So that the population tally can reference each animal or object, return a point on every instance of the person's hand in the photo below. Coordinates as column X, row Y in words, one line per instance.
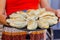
column 3, row 19
column 58, row 14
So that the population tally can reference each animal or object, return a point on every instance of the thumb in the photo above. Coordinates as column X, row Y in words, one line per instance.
column 58, row 13
column 6, row 24
column 59, row 19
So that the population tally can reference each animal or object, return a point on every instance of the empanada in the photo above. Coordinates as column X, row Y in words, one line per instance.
column 18, row 24
column 47, row 13
column 32, row 25
column 43, row 24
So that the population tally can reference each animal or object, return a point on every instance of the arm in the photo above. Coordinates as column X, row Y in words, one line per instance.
column 2, row 10
column 45, row 4
column 2, row 6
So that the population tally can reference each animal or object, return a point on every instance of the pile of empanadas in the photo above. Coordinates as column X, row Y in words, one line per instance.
column 32, row 19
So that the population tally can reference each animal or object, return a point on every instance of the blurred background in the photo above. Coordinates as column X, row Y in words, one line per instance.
column 55, row 4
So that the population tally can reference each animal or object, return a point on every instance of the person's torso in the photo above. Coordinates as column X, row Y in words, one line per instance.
column 16, row 5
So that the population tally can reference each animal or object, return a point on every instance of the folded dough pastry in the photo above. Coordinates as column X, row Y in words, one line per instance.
column 42, row 24
column 24, row 14
column 52, row 21
column 32, row 25
column 16, row 15
column 37, row 11
column 47, row 13
column 31, row 15
column 18, row 24
column 49, row 19
column 42, row 10
column 14, row 19
column 10, row 20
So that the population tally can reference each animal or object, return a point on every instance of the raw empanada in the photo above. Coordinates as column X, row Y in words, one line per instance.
column 47, row 13
column 10, row 20
column 18, row 24
column 43, row 24
column 32, row 25
column 52, row 21
column 14, row 16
